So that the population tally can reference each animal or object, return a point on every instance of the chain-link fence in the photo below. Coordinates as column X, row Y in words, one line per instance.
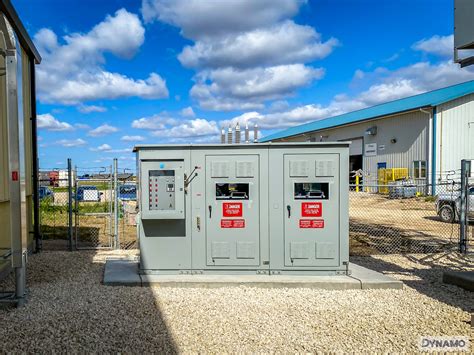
column 404, row 216
column 401, row 216
column 470, row 212
column 127, row 199
column 53, row 210
column 94, row 209
column 466, row 204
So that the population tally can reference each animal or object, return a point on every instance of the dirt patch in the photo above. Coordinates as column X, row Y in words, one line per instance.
column 379, row 224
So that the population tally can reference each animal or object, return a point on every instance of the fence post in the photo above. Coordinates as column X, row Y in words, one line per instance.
column 463, row 220
column 116, row 206
column 69, row 187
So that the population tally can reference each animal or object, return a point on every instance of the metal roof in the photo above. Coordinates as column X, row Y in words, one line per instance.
column 427, row 99
column 10, row 13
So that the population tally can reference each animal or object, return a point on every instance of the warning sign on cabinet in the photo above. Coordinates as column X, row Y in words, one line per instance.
column 232, row 223
column 232, row 209
column 311, row 223
column 311, row 209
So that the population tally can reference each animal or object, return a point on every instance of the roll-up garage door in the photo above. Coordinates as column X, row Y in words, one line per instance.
column 356, row 146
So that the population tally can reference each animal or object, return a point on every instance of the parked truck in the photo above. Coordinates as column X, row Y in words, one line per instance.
column 448, row 205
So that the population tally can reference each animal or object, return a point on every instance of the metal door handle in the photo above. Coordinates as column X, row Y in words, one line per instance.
column 288, row 207
column 210, row 211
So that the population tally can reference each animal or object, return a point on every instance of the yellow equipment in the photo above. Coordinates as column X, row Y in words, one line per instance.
column 392, row 174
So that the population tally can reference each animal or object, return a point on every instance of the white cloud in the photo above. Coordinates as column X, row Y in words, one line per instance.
column 188, row 112
column 284, row 43
column 50, row 123
column 122, row 150
column 72, row 72
column 382, row 85
column 102, row 148
column 232, row 89
column 102, row 130
column 153, row 122
column 82, row 126
column 91, row 108
column 192, row 128
column 442, row 46
column 245, row 52
column 68, row 143
column 201, row 19
column 132, row 138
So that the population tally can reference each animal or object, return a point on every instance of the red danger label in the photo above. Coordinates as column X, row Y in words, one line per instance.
column 14, row 175
column 232, row 223
column 232, row 209
column 311, row 209
column 311, row 223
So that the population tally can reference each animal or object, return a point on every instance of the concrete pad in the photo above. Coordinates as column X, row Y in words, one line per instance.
column 340, row 282
column 125, row 273
column 463, row 279
column 121, row 273
column 371, row 279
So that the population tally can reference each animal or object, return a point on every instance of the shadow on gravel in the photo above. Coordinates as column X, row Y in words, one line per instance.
column 69, row 310
column 427, row 276
column 375, row 238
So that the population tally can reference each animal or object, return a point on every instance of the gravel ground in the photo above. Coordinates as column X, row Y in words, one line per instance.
column 69, row 310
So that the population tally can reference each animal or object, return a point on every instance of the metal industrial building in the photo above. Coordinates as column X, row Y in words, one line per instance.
column 428, row 134
column 18, row 162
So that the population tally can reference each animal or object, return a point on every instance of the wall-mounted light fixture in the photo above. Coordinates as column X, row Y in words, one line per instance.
column 321, row 138
column 393, row 140
column 372, row 131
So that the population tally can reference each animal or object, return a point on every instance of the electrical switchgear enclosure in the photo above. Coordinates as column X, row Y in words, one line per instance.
column 274, row 208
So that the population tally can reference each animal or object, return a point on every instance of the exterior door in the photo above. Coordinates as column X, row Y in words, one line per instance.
column 311, row 192
column 232, row 210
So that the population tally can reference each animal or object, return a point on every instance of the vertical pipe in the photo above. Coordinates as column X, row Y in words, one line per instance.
column 229, row 135
column 20, row 282
column 110, row 189
column 237, row 133
column 34, row 144
column 433, row 155
column 16, row 165
column 76, row 208
column 357, row 182
column 255, row 133
column 116, row 207
column 463, row 218
column 247, row 133
column 69, row 188
column 222, row 136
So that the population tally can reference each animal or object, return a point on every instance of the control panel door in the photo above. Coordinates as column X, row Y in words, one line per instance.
column 232, row 210
column 311, row 210
column 162, row 189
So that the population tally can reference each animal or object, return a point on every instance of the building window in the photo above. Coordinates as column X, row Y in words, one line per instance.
column 419, row 168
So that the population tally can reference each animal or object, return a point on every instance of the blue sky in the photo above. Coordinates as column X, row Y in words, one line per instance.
column 117, row 73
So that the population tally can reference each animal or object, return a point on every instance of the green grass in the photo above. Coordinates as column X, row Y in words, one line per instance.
column 99, row 185
column 430, row 198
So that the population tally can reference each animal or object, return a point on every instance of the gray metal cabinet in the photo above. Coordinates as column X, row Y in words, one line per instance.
column 248, row 208
column 311, row 191
column 232, row 209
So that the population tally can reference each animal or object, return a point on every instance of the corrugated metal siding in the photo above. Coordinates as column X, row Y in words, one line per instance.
column 410, row 130
column 455, row 134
